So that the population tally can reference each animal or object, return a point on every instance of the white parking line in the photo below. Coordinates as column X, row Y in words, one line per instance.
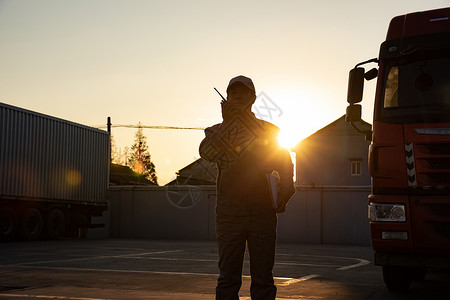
column 306, row 265
column 96, row 257
column 145, row 255
column 177, row 259
column 215, row 260
column 296, row 280
column 362, row 262
column 132, row 271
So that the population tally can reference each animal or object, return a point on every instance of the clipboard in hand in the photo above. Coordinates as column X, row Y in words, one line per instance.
column 272, row 182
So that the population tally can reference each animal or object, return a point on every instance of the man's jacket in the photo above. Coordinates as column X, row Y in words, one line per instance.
column 245, row 150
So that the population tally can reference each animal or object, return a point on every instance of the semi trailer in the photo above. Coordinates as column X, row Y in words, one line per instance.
column 54, row 175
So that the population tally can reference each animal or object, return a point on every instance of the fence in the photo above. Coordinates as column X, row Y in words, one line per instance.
column 325, row 215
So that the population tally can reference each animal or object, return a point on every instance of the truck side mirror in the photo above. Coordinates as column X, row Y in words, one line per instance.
column 353, row 113
column 371, row 74
column 355, row 85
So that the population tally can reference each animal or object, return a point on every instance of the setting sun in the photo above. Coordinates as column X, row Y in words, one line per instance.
column 291, row 135
column 296, row 110
column 288, row 139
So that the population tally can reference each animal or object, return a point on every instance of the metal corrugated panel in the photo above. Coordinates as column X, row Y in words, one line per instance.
column 49, row 158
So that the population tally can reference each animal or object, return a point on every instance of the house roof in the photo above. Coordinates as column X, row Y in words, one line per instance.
column 123, row 175
column 339, row 127
column 199, row 172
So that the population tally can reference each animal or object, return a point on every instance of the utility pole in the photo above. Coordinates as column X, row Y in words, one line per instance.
column 108, row 126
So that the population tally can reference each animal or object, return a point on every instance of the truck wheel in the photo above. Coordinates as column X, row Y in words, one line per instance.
column 55, row 224
column 397, row 279
column 8, row 223
column 419, row 274
column 31, row 224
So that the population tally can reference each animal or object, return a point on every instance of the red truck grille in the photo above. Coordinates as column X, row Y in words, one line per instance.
column 432, row 222
column 437, row 148
column 437, row 178
column 443, row 229
column 432, row 164
column 441, row 210
column 438, row 163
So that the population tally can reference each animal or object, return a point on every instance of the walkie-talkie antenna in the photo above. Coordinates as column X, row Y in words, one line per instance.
column 223, row 98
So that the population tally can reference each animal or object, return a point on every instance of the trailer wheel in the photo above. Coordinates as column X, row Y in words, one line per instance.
column 31, row 224
column 419, row 274
column 397, row 279
column 8, row 223
column 55, row 224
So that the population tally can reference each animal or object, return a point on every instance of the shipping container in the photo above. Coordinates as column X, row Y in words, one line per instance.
column 54, row 174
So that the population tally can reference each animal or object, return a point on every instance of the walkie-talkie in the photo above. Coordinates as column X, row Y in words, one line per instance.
column 223, row 98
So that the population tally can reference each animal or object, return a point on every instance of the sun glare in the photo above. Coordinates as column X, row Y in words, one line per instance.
column 291, row 135
column 287, row 139
column 293, row 132
column 297, row 110
column 302, row 112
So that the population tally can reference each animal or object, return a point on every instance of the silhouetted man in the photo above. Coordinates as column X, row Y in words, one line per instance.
column 246, row 150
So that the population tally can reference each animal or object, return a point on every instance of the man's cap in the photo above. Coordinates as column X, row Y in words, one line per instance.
column 243, row 80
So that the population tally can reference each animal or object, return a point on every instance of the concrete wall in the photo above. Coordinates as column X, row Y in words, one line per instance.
column 330, row 215
column 327, row 215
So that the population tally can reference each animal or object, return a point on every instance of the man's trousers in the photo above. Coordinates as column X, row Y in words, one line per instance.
column 259, row 234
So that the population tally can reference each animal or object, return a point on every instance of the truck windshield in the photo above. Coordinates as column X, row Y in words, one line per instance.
column 417, row 91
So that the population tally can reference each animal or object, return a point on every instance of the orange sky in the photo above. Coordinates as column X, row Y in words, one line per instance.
column 156, row 62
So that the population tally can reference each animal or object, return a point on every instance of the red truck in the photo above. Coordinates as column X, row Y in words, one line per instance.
column 409, row 157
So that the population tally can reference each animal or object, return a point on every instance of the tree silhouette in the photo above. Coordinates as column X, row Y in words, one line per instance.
column 115, row 152
column 119, row 156
column 140, row 160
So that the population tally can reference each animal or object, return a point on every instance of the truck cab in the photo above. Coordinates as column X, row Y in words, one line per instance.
column 409, row 156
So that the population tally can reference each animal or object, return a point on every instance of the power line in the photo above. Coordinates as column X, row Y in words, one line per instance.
column 150, row 127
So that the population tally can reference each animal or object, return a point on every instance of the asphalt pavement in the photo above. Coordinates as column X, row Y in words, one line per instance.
column 84, row 269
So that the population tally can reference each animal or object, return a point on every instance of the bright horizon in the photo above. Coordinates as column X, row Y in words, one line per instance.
column 157, row 62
